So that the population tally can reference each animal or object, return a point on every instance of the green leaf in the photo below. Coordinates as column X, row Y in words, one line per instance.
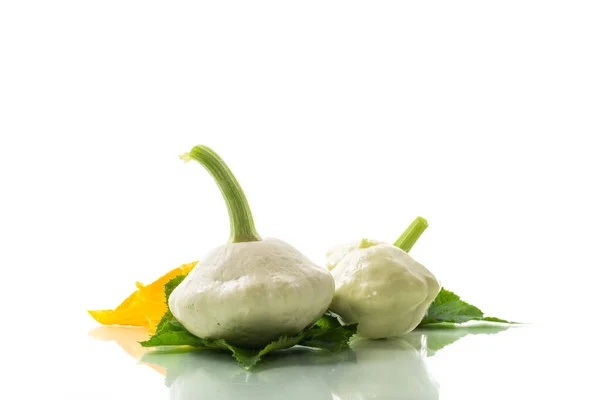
column 333, row 340
column 494, row 319
column 327, row 334
column 248, row 358
column 168, row 317
column 172, row 284
column 172, row 337
column 448, row 307
column 327, row 321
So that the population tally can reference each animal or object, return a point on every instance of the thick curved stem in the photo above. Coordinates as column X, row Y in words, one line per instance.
column 241, row 222
column 410, row 236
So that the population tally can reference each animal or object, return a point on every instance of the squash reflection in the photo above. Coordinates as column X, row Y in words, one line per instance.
column 293, row 374
column 390, row 369
column 384, row 369
column 372, row 369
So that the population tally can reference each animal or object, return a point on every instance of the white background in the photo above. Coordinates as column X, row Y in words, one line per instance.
column 341, row 120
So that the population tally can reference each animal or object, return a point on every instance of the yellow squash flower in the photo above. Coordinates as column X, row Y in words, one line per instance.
column 144, row 307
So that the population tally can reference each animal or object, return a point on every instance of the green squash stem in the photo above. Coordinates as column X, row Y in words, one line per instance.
column 410, row 236
column 241, row 222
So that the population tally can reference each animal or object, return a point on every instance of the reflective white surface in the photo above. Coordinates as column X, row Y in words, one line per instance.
column 491, row 362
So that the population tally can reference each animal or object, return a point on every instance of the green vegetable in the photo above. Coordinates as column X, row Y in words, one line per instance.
column 326, row 334
column 448, row 307
column 246, row 290
column 380, row 286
